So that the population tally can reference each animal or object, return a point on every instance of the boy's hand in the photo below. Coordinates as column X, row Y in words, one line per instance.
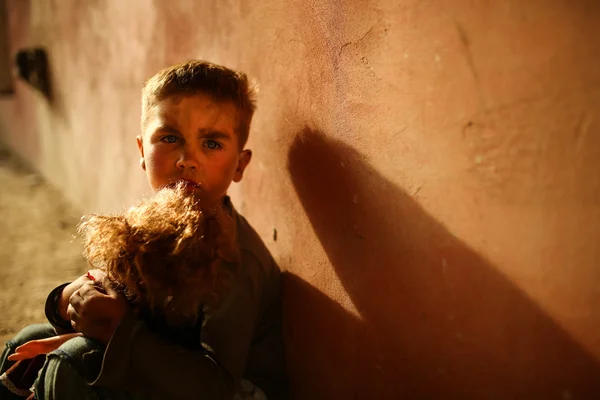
column 71, row 288
column 96, row 310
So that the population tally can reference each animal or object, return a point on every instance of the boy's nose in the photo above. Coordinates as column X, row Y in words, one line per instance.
column 187, row 160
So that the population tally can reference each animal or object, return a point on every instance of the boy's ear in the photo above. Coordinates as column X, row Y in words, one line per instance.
column 140, row 144
column 243, row 161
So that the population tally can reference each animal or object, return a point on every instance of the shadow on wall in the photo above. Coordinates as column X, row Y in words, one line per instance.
column 437, row 320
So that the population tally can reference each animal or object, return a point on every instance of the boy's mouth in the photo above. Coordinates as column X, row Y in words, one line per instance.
column 189, row 184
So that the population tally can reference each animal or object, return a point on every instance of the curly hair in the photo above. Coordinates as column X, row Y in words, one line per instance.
column 166, row 254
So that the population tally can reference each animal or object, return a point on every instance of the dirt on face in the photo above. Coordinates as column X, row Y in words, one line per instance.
column 38, row 246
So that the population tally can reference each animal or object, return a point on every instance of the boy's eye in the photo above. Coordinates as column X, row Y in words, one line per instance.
column 211, row 144
column 169, row 139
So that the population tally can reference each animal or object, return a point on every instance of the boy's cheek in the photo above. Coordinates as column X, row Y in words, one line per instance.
column 157, row 160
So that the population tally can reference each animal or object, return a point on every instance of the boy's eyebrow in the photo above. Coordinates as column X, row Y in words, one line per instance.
column 166, row 128
column 212, row 134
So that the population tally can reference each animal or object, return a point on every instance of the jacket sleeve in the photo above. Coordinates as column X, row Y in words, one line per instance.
column 138, row 360
column 51, row 310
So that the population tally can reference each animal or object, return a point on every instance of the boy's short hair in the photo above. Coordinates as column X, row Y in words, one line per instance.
column 198, row 76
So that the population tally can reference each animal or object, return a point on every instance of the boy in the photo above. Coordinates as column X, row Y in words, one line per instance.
column 195, row 122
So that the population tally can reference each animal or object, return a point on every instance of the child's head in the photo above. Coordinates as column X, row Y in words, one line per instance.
column 195, row 123
column 166, row 254
column 190, row 78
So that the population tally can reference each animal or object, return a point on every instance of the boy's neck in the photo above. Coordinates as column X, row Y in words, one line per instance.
column 227, row 205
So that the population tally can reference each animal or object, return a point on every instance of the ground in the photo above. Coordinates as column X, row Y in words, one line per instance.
column 38, row 246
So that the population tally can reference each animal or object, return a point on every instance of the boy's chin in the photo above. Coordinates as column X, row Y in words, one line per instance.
column 184, row 186
column 204, row 198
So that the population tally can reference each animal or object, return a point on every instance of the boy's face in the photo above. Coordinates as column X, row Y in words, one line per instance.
column 193, row 139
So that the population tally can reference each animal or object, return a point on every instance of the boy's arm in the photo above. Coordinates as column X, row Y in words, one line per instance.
column 246, row 333
column 138, row 360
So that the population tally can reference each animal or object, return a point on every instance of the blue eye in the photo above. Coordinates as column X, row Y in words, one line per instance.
column 213, row 145
column 170, row 139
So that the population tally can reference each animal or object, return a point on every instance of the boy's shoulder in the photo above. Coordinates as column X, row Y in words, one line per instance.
column 256, row 260
column 249, row 241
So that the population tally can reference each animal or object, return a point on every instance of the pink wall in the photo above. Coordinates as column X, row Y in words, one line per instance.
column 430, row 167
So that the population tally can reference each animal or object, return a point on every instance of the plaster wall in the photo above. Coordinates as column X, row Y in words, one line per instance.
column 425, row 171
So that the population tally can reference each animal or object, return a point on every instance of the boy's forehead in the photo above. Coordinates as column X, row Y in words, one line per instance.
column 171, row 109
column 176, row 104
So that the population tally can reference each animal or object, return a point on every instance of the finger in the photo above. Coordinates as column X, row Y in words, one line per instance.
column 76, row 322
column 91, row 288
column 87, row 288
column 75, row 301
column 109, row 289
column 72, row 313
